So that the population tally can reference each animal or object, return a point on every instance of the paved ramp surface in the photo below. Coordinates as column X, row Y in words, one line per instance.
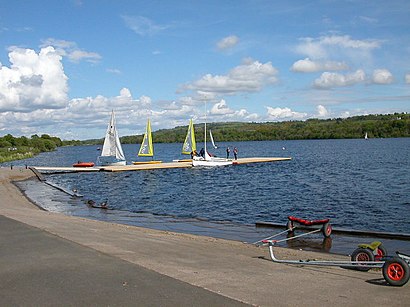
column 40, row 269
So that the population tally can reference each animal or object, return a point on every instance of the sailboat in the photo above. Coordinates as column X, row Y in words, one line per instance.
column 206, row 159
column 212, row 139
column 112, row 153
column 147, row 148
column 365, row 136
column 189, row 146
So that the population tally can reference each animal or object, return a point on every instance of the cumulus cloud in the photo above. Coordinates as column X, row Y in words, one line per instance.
column 221, row 108
column 251, row 76
column 123, row 102
column 329, row 80
column 143, row 26
column 34, row 100
column 93, row 113
column 33, row 81
column 84, row 118
column 227, row 42
column 322, row 111
column 220, row 111
column 382, row 76
column 338, row 49
column 308, row 66
column 284, row 114
column 71, row 51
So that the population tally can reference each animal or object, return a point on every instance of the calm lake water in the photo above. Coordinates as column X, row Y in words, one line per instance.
column 358, row 184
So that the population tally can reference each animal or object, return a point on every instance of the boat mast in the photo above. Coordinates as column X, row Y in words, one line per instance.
column 205, row 133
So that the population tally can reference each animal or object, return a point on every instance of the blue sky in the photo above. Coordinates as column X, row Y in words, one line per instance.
column 64, row 65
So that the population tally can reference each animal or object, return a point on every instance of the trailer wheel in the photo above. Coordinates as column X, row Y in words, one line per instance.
column 327, row 230
column 289, row 226
column 396, row 272
column 362, row 254
column 381, row 253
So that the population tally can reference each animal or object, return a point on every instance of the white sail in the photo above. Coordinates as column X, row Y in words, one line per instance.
column 212, row 139
column 112, row 147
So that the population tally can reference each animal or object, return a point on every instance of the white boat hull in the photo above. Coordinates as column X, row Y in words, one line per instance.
column 211, row 162
column 119, row 163
column 110, row 161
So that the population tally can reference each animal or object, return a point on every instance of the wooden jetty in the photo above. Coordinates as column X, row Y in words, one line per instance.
column 147, row 166
column 64, row 169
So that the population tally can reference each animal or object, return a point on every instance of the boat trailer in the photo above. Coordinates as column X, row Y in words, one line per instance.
column 395, row 269
column 320, row 225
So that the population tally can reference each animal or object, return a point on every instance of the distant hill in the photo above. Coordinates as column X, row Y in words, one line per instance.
column 376, row 126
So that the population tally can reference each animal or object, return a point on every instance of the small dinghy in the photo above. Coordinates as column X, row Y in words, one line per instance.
column 83, row 164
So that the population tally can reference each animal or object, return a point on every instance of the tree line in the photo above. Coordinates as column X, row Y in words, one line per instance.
column 376, row 126
column 16, row 148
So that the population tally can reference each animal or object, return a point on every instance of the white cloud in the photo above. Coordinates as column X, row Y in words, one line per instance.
column 382, row 76
column 220, row 111
column 248, row 77
column 71, row 51
column 114, row 71
column 329, row 80
column 145, row 100
column 143, row 26
column 368, row 20
column 124, row 92
column 78, row 55
column 337, row 46
column 322, row 111
column 124, row 102
column 228, row 42
column 407, row 78
column 307, row 65
column 221, row 108
column 346, row 42
column 284, row 114
column 33, row 81
column 187, row 100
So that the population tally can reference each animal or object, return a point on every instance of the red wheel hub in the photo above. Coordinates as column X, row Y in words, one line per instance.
column 362, row 257
column 395, row 271
column 379, row 255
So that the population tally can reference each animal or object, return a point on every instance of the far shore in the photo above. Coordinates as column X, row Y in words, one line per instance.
column 240, row 271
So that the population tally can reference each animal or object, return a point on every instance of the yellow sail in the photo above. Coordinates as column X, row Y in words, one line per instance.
column 189, row 144
column 147, row 149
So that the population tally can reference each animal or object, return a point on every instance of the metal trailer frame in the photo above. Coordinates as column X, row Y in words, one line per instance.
column 295, row 223
column 395, row 269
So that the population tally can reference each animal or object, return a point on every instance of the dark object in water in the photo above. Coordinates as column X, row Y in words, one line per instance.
column 103, row 205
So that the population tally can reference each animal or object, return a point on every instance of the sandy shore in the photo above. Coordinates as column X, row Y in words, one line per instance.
column 232, row 269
